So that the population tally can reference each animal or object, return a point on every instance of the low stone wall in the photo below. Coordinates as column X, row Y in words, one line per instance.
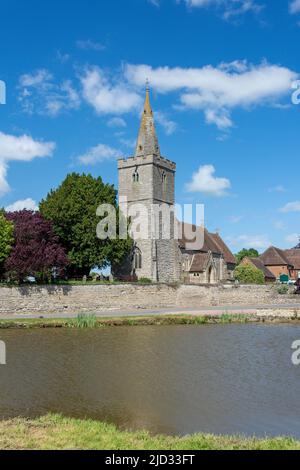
column 97, row 298
column 210, row 296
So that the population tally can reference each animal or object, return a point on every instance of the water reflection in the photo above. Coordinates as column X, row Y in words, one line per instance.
column 173, row 379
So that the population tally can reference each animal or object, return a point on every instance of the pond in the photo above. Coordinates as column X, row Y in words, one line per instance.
column 167, row 379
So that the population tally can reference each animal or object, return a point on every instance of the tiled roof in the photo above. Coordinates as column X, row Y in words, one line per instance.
column 205, row 245
column 212, row 242
column 228, row 256
column 274, row 257
column 260, row 265
column 294, row 257
column 200, row 262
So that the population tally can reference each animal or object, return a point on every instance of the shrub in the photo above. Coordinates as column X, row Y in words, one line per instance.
column 282, row 290
column 248, row 274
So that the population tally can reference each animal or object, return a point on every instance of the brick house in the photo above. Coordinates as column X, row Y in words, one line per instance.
column 293, row 255
column 277, row 261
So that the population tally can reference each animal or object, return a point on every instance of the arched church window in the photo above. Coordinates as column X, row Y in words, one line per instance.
column 138, row 260
column 163, row 177
column 136, row 176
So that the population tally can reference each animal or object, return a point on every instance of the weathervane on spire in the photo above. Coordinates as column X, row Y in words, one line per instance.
column 147, row 84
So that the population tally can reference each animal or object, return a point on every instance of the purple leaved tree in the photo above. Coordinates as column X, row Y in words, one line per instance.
column 36, row 251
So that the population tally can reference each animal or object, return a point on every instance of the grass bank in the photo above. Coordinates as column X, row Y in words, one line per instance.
column 91, row 321
column 57, row 432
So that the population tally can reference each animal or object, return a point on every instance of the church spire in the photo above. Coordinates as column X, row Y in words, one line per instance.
column 147, row 143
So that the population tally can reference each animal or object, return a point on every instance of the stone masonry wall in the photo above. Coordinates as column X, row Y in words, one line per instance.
column 106, row 298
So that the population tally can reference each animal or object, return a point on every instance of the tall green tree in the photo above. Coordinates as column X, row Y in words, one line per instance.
column 6, row 239
column 251, row 253
column 72, row 209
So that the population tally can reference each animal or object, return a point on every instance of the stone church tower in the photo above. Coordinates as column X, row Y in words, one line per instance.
column 149, row 179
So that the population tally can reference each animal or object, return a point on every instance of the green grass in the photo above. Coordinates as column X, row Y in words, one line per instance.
column 54, row 432
column 229, row 318
column 145, row 280
column 84, row 321
column 91, row 321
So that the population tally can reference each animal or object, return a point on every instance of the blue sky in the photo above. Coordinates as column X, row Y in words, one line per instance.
column 221, row 75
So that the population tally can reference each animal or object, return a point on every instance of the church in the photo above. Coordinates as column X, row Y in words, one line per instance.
column 148, row 179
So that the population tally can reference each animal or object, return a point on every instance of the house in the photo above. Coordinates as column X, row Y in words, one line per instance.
column 293, row 255
column 277, row 261
column 258, row 264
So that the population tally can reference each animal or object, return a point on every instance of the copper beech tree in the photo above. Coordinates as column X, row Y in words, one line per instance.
column 36, row 250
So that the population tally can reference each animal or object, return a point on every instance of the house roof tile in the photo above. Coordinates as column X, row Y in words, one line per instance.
column 274, row 257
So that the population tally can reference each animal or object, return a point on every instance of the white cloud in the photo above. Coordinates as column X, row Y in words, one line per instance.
column 117, row 122
column 215, row 91
column 61, row 57
column 4, row 186
column 219, row 117
column 28, row 204
column 291, row 207
column 98, row 154
column 277, row 189
column 106, row 97
column 218, row 90
column 235, row 219
column 22, row 148
column 294, row 6
column 204, row 181
column 292, row 239
column 229, row 7
column 250, row 241
column 167, row 124
column 88, row 45
column 129, row 143
column 40, row 78
column 41, row 94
